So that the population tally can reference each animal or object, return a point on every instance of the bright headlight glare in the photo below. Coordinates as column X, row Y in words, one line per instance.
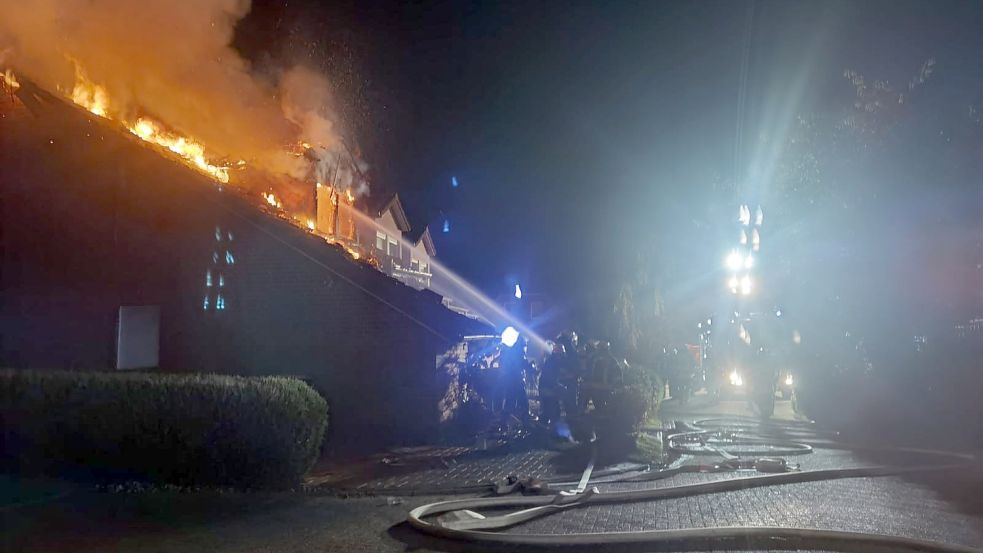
column 509, row 336
column 735, row 378
column 746, row 285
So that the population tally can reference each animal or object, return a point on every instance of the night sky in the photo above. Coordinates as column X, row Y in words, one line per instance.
column 586, row 134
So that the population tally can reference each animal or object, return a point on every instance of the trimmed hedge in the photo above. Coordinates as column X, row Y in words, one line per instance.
column 182, row 429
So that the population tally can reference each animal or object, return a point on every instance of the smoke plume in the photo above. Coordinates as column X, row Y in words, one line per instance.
column 172, row 60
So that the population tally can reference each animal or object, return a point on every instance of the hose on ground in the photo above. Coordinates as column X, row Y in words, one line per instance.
column 474, row 527
column 766, row 446
column 457, row 520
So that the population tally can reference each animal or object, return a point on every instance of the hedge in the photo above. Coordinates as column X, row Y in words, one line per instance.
column 170, row 428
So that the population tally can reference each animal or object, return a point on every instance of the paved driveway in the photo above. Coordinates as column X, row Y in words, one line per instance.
column 237, row 522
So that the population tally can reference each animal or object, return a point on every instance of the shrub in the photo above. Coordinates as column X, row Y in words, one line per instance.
column 624, row 413
column 183, row 429
column 647, row 382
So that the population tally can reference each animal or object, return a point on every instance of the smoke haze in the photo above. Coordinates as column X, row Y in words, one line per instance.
column 172, row 60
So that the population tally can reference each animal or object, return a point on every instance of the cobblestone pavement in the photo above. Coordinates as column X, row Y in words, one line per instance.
column 887, row 505
column 215, row 522
column 437, row 470
column 468, row 470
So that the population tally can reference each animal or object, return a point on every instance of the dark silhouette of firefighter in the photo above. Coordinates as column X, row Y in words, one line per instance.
column 605, row 376
column 560, row 379
column 549, row 384
column 571, row 369
column 510, row 396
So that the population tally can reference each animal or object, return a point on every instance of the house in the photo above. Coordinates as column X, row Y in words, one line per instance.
column 422, row 253
column 402, row 253
column 381, row 232
column 116, row 256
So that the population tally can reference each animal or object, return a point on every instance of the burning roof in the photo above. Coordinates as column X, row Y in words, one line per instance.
column 101, row 173
column 167, row 73
column 290, row 199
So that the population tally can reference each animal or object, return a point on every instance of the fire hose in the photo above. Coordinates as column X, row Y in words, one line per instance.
column 774, row 447
column 458, row 520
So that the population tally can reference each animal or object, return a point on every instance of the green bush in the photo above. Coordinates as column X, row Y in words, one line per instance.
column 182, row 429
column 624, row 413
column 647, row 382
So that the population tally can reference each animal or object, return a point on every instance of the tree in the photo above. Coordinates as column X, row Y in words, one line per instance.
column 864, row 183
column 639, row 325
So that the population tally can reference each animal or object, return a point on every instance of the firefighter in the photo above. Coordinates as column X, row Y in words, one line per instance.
column 761, row 385
column 511, row 396
column 549, row 384
column 570, row 371
column 682, row 379
column 605, row 376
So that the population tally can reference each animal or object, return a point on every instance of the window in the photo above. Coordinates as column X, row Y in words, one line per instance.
column 204, row 304
column 221, row 280
column 393, row 248
column 220, row 303
column 425, row 268
column 208, row 277
column 414, row 264
column 229, row 260
column 380, row 240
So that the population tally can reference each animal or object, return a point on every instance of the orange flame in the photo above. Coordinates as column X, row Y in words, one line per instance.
column 9, row 80
column 95, row 99
column 90, row 95
column 188, row 149
column 272, row 200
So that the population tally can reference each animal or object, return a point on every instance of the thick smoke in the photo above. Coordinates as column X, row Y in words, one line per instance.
column 172, row 60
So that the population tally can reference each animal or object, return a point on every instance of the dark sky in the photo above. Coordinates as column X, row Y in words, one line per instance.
column 584, row 133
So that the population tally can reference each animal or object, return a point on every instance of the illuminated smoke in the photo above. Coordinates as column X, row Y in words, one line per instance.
column 171, row 60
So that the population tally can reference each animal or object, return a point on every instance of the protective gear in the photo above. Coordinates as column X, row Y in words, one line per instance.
column 569, row 340
column 510, row 397
column 681, row 377
column 549, row 384
column 604, row 376
column 762, row 375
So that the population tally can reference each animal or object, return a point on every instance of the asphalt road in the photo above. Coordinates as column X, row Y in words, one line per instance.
column 78, row 519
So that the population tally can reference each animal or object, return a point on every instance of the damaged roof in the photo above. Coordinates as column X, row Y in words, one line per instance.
column 69, row 141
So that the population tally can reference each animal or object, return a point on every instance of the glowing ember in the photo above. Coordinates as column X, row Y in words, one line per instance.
column 9, row 80
column 272, row 200
column 310, row 224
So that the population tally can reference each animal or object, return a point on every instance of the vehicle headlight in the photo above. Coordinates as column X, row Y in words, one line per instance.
column 789, row 380
column 735, row 378
column 509, row 336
